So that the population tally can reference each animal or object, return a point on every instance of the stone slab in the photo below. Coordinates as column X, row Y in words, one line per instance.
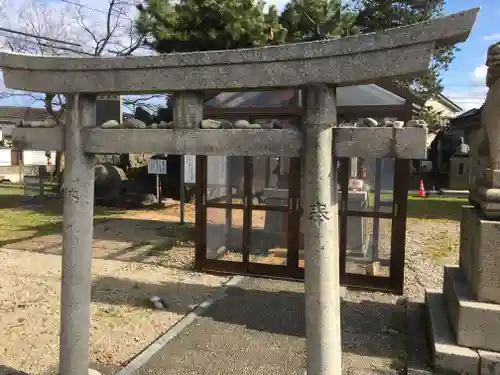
column 251, row 142
column 476, row 324
column 228, row 142
column 479, row 252
column 38, row 139
column 446, row 354
column 467, row 230
column 418, row 359
column 489, row 362
column 400, row 52
column 374, row 143
column 454, row 193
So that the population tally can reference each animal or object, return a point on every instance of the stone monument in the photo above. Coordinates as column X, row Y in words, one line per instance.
column 316, row 67
column 465, row 318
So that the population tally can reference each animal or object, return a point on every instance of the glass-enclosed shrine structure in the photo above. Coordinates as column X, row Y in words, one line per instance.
column 249, row 218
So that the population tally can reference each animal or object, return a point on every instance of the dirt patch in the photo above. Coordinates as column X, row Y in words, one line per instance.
column 133, row 236
column 170, row 213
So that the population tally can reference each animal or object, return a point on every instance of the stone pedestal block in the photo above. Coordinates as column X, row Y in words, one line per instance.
column 486, row 198
column 479, row 251
column 476, row 324
column 490, row 362
column 447, row 356
column 468, row 226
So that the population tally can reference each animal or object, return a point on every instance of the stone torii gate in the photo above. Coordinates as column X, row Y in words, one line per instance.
column 314, row 67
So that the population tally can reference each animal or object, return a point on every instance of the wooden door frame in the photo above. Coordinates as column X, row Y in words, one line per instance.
column 394, row 283
column 202, row 263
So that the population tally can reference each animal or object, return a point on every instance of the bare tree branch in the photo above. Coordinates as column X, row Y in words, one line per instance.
column 113, row 34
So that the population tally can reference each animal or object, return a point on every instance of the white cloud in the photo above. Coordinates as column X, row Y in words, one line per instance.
column 492, row 37
column 468, row 98
column 478, row 75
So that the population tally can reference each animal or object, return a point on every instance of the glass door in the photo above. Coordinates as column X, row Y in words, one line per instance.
column 272, row 201
column 373, row 222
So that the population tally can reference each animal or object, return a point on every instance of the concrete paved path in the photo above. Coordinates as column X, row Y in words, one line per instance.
column 258, row 328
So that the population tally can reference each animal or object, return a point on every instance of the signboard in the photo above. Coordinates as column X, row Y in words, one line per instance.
column 355, row 184
column 157, row 166
column 34, row 186
column 190, row 169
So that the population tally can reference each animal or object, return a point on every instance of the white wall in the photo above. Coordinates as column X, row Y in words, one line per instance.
column 5, row 157
column 37, row 157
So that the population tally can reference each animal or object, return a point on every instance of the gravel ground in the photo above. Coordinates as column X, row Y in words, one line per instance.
column 123, row 322
column 430, row 245
column 129, row 267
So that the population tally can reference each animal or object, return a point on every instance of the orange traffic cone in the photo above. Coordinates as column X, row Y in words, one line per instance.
column 421, row 192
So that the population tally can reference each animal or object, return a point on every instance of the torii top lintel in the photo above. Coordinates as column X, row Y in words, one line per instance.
column 396, row 53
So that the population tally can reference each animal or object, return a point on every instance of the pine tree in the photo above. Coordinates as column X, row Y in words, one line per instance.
column 203, row 25
column 317, row 19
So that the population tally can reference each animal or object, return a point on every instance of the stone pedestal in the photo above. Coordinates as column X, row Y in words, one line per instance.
column 479, row 252
column 465, row 317
column 357, row 241
column 485, row 194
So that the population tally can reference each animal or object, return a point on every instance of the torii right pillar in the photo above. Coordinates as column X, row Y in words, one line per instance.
column 322, row 284
column 465, row 318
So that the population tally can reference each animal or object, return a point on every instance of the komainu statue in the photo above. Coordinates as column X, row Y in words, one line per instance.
column 485, row 193
column 491, row 110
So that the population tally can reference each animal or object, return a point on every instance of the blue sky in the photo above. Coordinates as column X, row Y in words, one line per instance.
column 464, row 82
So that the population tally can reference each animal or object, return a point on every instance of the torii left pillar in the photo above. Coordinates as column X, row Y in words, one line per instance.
column 321, row 255
column 77, row 238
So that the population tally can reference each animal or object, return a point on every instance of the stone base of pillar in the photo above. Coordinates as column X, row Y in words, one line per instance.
column 447, row 355
column 485, row 194
column 464, row 319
